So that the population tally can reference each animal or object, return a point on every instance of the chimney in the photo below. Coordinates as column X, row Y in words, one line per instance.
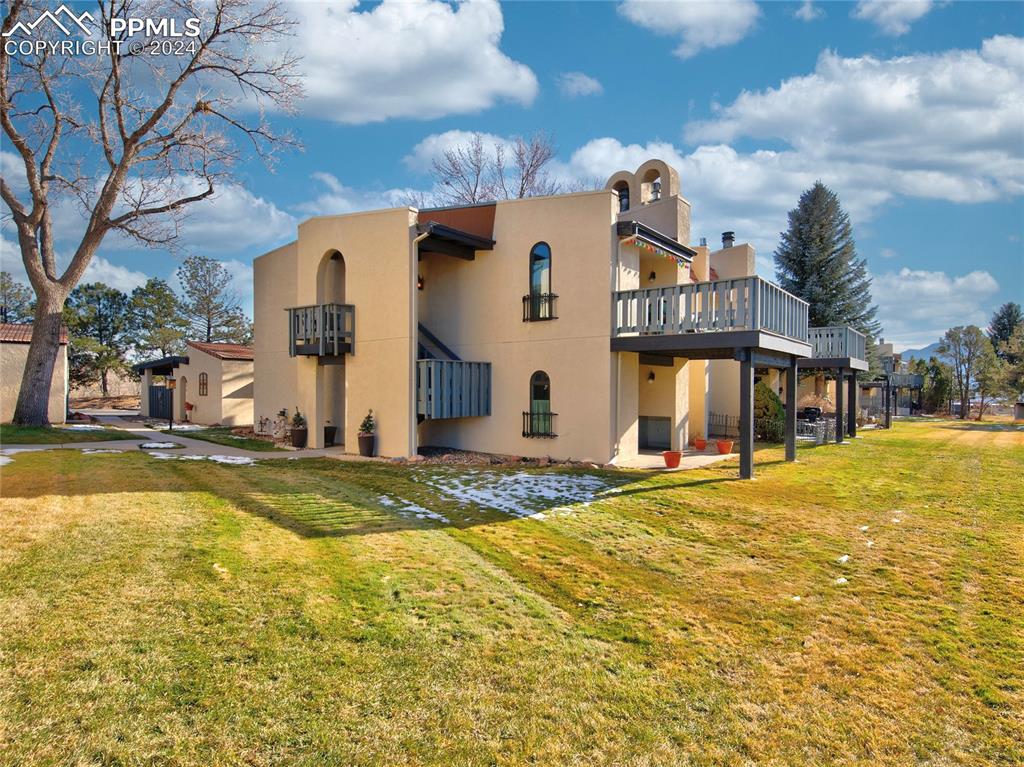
column 728, row 239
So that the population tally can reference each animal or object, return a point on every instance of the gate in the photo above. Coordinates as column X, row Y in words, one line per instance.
column 159, row 402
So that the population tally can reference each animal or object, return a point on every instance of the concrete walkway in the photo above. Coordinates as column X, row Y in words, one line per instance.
column 692, row 459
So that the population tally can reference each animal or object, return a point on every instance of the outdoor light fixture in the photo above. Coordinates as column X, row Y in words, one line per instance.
column 650, row 377
column 171, row 385
column 419, row 282
column 652, row 276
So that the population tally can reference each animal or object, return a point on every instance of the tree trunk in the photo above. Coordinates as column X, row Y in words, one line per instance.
column 34, row 397
column 103, row 382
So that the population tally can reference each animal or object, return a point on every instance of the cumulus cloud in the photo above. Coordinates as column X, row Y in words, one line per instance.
column 406, row 60
column 808, row 11
column 916, row 306
column 120, row 277
column 335, row 198
column 573, row 84
column 892, row 17
column 701, row 25
column 422, row 156
column 943, row 126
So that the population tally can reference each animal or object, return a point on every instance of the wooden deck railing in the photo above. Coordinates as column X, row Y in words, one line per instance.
column 453, row 388
column 747, row 303
column 837, row 341
column 322, row 330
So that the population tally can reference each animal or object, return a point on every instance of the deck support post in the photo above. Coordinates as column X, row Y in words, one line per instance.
column 888, row 404
column 839, row 405
column 851, row 406
column 747, row 415
column 792, row 382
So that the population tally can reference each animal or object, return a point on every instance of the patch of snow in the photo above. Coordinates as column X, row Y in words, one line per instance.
column 158, row 445
column 863, row 528
column 98, row 451
column 408, row 508
column 843, row 559
column 188, row 427
column 4, row 460
column 234, row 460
column 82, row 427
column 796, row 599
column 521, row 493
column 841, row 580
column 870, row 544
column 896, row 520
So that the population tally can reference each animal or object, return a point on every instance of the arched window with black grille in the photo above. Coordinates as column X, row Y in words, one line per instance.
column 540, row 303
column 539, row 421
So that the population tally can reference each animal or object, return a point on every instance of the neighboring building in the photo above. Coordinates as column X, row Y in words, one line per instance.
column 216, row 379
column 576, row 325
column 14, row 343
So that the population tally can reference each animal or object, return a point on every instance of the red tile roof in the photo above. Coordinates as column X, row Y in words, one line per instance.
column 13, row 333
column 223, row 351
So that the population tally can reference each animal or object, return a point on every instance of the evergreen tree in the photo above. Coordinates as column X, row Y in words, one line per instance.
column 1007, row 318
column 16, row 300
column 210, row 307
column 100, row 329
column 158, row 319
column 817, row 261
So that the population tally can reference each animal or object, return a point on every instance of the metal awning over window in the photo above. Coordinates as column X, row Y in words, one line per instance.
column 450, row 241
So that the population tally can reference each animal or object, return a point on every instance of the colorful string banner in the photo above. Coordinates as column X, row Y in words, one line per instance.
column 642, row 245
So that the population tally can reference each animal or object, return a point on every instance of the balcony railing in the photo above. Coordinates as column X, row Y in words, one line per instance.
column 321, row 330
column 539, row 306
column 747, row 303
column 837, row 341
column 452, row 389
column 539, row 425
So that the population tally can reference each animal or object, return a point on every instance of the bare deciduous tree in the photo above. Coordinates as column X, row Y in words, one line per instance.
column 473, row 172
column 132, row 138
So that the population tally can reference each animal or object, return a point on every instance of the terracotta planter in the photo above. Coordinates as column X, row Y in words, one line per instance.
column 299, row 437
column 700, row 443
column 672, row 458
column 366, row 445
column 724, row 446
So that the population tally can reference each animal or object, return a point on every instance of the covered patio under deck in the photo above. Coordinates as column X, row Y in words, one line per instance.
column 843, row 351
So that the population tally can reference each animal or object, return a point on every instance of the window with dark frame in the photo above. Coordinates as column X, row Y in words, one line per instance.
column 204, row 384
column 540, row 303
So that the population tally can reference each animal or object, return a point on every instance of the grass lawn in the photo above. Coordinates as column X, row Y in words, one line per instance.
column 221, row 435
column 300, row 612
column 57, row 435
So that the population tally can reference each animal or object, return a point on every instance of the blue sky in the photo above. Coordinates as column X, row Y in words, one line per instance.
column 913, row 112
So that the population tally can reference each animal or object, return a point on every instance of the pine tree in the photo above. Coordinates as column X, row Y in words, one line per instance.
column 100, row 326
column 211, row 309
column 16, row 300
column 817, row 261
column 1005, row 320
column 158, row 320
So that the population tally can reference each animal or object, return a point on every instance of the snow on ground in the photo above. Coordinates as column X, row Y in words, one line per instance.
column 98, row 451
column 188, row 427
column 408, row 508
column 7, row 453
column 522, row 493
column 235, row 460
column 82, row 426
column 158, row 445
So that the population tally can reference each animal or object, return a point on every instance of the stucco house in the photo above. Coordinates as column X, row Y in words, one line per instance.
column 215, row 379
column 14, row 343
column 573, row 326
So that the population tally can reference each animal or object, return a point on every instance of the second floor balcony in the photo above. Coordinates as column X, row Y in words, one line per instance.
column 321, row 330
column 837, row 342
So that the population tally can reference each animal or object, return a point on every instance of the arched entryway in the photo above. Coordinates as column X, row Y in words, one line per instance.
column 330, row 289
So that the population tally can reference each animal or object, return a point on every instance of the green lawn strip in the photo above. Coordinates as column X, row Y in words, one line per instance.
column 56, row 435
column 284, row 613
column 222, row 435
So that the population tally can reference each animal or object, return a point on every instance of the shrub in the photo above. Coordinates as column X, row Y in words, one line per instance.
column 369, row 425
column 769, row 414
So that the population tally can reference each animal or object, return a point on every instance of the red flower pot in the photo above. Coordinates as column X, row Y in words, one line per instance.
column 724, row 446
column 700, row 443
column 672, row 458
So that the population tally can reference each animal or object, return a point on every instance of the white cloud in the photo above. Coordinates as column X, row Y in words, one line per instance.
column 120, row 277
column 232, row 220
column 916, row 307
column 700, row 24
column 892, row 17
column 336, row 199
column 422, row 156
column 808, row 11
column 943, row 126
column 573, row 84
column 406, row 60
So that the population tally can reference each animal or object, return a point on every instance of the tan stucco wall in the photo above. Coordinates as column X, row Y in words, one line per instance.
column 229, row 397
column 12, row 367
column 475, row 308
column 275, row 383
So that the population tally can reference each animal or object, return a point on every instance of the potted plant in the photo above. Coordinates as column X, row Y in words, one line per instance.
column 299, row 430
column 366, row 435
column 330, row 432
column 700, row 443
column 672, row 458
column 189, row 406
column 724, row 446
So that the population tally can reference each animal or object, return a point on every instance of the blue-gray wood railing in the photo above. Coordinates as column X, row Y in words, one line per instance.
column 837, row 341
column 453, row 388
column 322, row 330
column 747, row 303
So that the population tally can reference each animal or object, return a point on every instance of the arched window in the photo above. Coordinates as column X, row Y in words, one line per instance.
column 204, row 384
column 539, row 421
column 622, row 188
column 540, row 304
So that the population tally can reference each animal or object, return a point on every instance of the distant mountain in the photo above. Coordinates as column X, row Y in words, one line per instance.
column 932, row 350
